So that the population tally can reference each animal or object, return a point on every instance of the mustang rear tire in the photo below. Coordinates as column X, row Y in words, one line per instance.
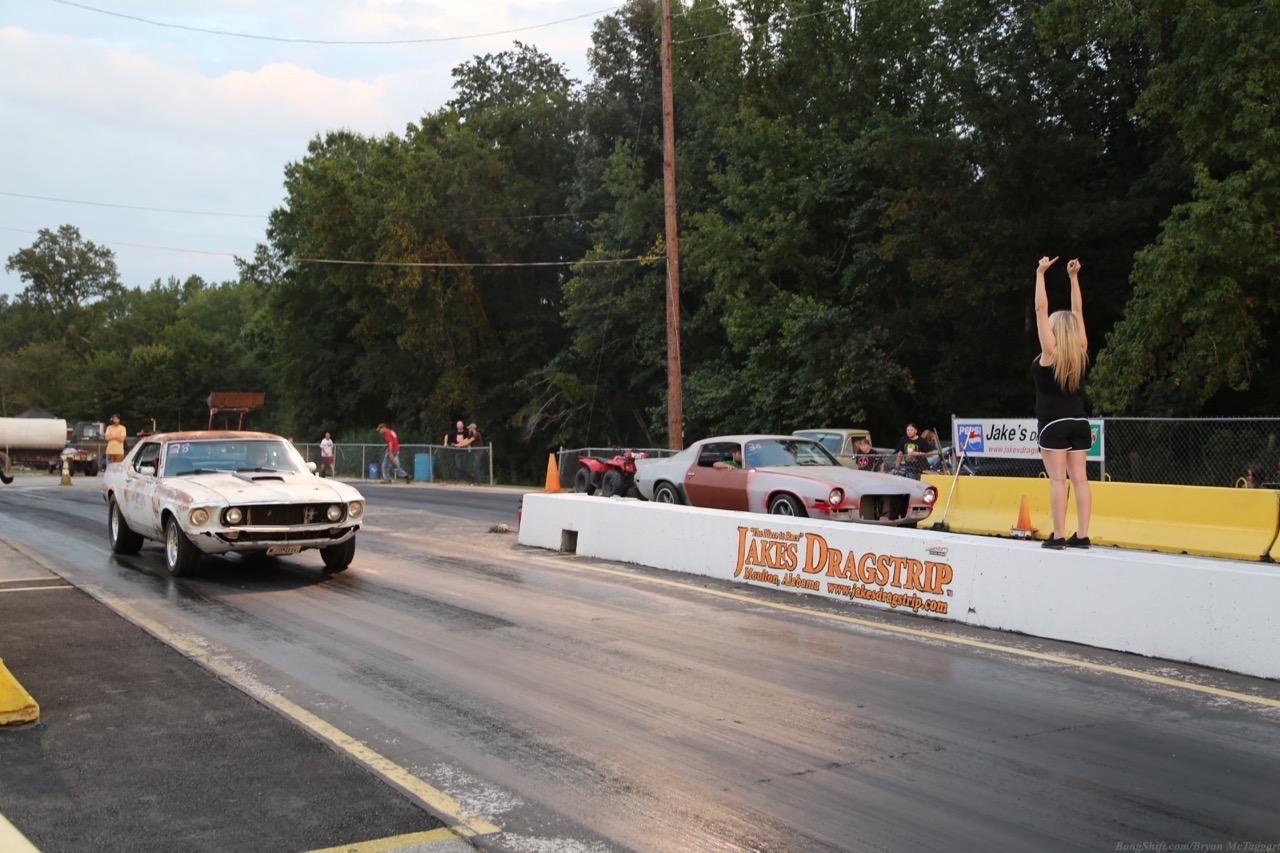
column 611, row 484
column 666, row 493
column 180, row 556
column 582, row 482
column 786, row 505
column 338, row 557
column 123, row 539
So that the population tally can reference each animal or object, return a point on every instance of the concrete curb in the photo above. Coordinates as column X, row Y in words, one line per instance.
column 16, row 705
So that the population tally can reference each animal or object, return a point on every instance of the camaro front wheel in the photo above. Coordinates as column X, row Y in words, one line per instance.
column 180, row 556
column 786, row 505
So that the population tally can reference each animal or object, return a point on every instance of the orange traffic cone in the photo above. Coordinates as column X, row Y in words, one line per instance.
column 1023, row 529
column 553, row 474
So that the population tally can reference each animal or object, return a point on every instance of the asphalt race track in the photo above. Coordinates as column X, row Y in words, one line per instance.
column 536, row 702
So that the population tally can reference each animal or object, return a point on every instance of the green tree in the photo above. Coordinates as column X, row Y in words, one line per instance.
column 1205, row 305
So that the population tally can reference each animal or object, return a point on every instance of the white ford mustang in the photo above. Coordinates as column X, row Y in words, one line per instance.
column 219, row 491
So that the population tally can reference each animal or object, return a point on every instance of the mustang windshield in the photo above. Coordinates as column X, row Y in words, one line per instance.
column 191, row 458
column 778, row 452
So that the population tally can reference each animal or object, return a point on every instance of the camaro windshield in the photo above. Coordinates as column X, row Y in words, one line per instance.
column 775, row 452
column 191, row 458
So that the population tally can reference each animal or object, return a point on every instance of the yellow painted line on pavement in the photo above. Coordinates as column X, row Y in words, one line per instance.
column 12, row 841
column 34, row 588
column 933, row 635
column 463, row 825
column 30, row 580
column 397, row 842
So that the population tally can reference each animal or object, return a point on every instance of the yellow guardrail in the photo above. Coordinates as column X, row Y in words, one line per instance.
column 16, row 704
column 1240, row 524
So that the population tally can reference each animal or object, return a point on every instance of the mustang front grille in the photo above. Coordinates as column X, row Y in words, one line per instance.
column 284, row 515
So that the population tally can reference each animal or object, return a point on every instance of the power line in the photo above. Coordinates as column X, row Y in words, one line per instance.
column 133, row 207
column 331, row 41
column 512, row 217
column 638, row 259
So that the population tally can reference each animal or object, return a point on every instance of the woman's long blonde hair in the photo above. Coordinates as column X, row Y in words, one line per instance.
column 1070, row 358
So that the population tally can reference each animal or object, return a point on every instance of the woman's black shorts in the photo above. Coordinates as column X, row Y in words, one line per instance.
column 1066, row 434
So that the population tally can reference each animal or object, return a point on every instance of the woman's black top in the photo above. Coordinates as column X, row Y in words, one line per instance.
column 1052, row 401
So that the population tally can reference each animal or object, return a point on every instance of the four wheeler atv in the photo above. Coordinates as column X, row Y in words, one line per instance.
column 609, row 476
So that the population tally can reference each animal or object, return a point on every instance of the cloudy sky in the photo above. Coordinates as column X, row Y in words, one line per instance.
column 161, row 130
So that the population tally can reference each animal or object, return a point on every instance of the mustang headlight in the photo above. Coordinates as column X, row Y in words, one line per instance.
column 334, row 512
column 233, row 515
column 199, row 517
column 836, row 496
column 355, row 509
column 930, row 495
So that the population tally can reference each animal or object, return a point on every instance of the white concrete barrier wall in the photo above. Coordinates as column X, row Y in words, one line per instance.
column 1211, row 612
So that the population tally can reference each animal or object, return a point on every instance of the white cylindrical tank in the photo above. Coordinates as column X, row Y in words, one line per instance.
column 16, row 433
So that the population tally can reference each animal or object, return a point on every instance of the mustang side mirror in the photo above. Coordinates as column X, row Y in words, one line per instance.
column 147, row 470
column 311, row 466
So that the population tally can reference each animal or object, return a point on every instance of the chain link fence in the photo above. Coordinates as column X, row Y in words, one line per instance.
column 1243, row 452
column 426, row 463
column 1199, row 452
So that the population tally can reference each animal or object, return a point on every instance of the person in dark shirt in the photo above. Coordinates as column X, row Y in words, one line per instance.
column 1062, row 425
column 913, row 452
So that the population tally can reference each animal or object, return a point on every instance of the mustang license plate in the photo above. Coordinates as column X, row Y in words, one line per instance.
column 278, row 550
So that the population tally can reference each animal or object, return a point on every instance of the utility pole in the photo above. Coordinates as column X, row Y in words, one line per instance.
column 675, row 393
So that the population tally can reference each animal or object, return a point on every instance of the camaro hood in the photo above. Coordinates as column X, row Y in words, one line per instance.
column 249, row 487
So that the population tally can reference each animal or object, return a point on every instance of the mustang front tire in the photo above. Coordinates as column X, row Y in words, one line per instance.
column 123, row 539
column 180, row 556
column 338, row 557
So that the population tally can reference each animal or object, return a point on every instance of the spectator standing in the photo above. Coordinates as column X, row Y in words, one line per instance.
column 115, row 435
column 327, row 455
column 391, row 459
column 475, row 446
column 865, row 458
column 456, row 438
column 913, row 451
column 1062, row 424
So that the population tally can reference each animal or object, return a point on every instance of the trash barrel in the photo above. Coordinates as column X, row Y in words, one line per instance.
column 374, row 473
column 422, row 467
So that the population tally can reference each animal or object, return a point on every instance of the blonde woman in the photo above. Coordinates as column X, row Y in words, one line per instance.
column 1063, row 426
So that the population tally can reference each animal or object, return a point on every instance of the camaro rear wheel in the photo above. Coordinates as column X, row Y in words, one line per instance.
column 786, row 505
column 123, row 539
column 180, row 556
column 338, row 557
column 582, row 482
column 611, row 484
column 666, row 493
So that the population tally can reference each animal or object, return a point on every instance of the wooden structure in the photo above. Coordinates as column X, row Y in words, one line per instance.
column 242, row 402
